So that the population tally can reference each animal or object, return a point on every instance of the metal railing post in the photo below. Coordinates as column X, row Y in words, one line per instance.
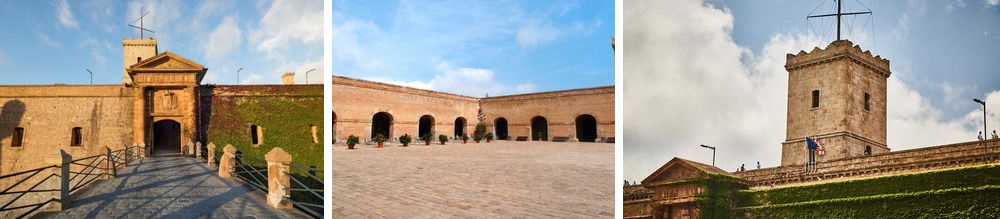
column 59, row 183
column 278, row 183
column 227, row 161
column 111, row 172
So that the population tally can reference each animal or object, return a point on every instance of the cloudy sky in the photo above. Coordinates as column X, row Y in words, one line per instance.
column 712, row 73
column 55, row 41
column 475, row 47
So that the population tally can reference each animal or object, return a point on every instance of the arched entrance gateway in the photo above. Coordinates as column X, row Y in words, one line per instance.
column 586, row 128
column 500, row 126
column 459, row 126
column 166, row 137
column 539, row 129
column 426, row 126
column 382, row 124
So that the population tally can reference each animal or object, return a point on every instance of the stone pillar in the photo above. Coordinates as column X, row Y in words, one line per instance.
column 186, row 149
column 145, row 150
column 228, row 161
column 110, row 171
column 190, row 124
column 139, row 119
column 211, row 154
column 58, row 185
column 278, row 183
column 197, row 150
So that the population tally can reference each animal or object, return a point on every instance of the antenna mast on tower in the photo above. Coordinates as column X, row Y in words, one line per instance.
column 838, row 15
column 141, row 27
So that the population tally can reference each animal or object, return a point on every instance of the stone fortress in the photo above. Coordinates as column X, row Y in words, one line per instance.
column 366, row 108
column 161, row 105
column 836, row 96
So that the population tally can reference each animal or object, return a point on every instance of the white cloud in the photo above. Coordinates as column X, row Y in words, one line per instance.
column 474, row 82
column 537, row 32
column 954, row 4
column 287, row 22
column 65, row 15
column 48, row 41
column 348, row 50
column 252, row 79
column 225, row 39
column 315, row 77
column 689, row 83
column 992, row 3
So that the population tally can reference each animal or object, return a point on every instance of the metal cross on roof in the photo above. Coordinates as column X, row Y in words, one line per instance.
column 141, row 27
column 839, row 14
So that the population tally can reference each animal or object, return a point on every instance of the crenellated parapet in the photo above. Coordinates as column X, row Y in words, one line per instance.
column 835, row 51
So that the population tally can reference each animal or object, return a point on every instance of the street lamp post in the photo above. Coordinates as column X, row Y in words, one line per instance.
column 713, row 153
column 91, row 76
column 307, row 75
column 238, row 75
column 985, row 133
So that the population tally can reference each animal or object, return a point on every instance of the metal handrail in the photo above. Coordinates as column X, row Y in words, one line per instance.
column 314, row 209
column 252, row 171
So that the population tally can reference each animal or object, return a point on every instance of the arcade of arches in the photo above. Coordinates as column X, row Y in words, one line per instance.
column 585, row 114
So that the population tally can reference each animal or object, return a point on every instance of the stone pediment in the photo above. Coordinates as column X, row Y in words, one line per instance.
column 678, row 169
column 166, row 62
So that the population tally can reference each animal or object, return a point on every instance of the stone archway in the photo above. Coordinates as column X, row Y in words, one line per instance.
column 500, row 126
column 586, row 128
column 426, row 126
column 382, row 124
column 539, row 129
column 459, row 126
column 166, row 137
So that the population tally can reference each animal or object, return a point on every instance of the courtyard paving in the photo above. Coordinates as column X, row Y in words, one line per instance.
column 501, row 179
column 171, row 187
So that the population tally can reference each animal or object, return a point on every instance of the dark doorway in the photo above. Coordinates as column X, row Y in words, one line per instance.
column 166, row 137
column 500, row 126
column 382, row 124
column 586, row 128
column 459, row 127
column 426, row 126
column 333, row 127
column 539, row 129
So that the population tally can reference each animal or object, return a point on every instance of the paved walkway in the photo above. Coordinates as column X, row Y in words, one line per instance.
column 171, row 187
column 496, row 180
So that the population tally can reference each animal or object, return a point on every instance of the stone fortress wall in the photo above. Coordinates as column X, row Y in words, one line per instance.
column 356, row 102
column 48, row 113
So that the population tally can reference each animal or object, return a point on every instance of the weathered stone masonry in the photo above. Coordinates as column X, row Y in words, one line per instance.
column 357, row 104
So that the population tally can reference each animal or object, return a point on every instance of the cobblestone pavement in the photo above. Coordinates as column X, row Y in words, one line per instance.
column 500, row 179
column 171, row 187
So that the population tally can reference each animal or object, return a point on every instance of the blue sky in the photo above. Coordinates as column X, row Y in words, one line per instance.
column 712, row 72
column 55, row 41
column 476, row 47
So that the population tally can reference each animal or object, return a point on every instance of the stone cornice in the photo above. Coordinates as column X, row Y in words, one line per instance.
column 553, row 94
column 351, row 82
column 841, row 49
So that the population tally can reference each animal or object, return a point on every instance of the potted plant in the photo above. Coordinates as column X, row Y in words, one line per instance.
column 480, row 132
column 465, row 138
column 489, row 137
column 443, row 139
column 379, row 138
column 405, row 139
column 427, row 138
column 351, row 141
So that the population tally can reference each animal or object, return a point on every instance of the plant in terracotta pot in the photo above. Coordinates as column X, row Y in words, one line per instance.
column 465, row 138
column 351, row 141
column 405, row 139
column 427, row 138
column 443, row 139
column 379, row 138
column 489, row 137
column 480, row 132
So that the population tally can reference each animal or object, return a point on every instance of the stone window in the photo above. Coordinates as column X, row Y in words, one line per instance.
column 76, row 139
column 256, row 135
column 868, row 98
column 312, row 131
column 868, row 150
column 17, row 138
column 815, row 98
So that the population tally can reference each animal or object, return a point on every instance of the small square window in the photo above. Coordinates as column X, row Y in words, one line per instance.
column 76, row 139
column 17, row 137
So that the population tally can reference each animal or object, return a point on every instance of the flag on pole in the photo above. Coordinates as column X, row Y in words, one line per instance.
column 820, row 149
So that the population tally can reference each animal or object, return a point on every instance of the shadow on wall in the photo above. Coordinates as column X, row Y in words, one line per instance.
column 10, row 117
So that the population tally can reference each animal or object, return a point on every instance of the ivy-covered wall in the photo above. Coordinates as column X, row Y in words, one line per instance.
column 285, row 112
column 969, row 192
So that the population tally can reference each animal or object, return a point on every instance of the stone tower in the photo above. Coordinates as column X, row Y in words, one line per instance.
column 838, row 96
column 134, row 51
